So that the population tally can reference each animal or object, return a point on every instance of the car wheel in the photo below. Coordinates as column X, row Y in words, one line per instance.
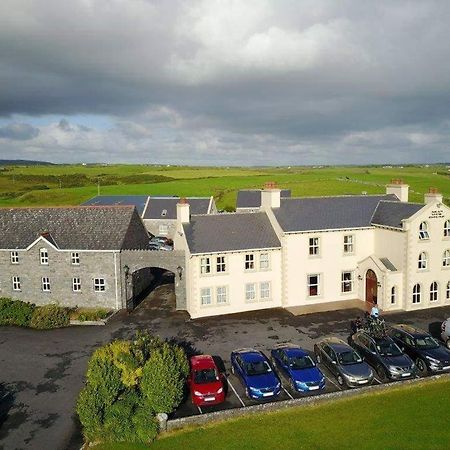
column 382, row 374
column 447, row 344
column 420, row 363
column 340, row 380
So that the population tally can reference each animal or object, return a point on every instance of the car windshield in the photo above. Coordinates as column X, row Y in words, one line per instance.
column 349, row 357
column 205, row 376
column 257, row 368
column 301, row 362
column 386, row 348
column 426, row 342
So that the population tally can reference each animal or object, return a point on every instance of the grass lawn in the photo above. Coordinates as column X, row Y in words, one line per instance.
column 404, row 417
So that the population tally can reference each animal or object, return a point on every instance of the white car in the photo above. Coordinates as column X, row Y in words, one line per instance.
column 445, row 332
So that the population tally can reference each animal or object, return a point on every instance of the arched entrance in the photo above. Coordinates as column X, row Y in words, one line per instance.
column 371, row 288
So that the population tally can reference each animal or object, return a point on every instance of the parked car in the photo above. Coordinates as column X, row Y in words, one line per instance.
column 298, row 367
column 445, row 332
column 428, row 354
column 255, row 373
column 162, row 240
column 384, row 355
column 206, row 383
column 344, row 362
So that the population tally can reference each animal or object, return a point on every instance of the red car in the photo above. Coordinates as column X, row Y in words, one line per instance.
column 205, row 381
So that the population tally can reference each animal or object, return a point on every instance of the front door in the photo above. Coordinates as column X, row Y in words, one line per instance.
column 371, row 288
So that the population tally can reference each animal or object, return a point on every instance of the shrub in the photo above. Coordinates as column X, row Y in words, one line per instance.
column 84, row 314
column 49, row 316
column 15, row 312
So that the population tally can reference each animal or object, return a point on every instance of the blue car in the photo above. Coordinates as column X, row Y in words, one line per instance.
column 298, row 367
column 255, row 373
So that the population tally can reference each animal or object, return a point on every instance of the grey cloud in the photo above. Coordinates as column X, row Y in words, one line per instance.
column 18, row 132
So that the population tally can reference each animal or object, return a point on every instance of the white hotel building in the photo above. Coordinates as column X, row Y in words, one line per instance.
column 322, row 253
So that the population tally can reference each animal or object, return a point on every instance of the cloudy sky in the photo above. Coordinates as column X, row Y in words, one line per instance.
column 225, row 82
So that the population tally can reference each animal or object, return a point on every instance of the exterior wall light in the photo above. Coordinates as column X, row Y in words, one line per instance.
column 180, row 271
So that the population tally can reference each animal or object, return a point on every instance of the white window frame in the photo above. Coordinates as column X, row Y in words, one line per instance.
column 417, row 294
column 265, row 291
column 14, row 257
column 314, row 246
column 447, row 228
column 393, row 295
column 221, row 264
column 75, row 258
column 43, row 256
column 163, row 229
column 16, row 285
column 45, row 284
column 76, row 284
column 205, row 296
column 422, row 261
column 434, row 291
column 264, row 261
column 349, row 244
column 446, row 259
column 447, row 291
column 205, row 265
column 310, row 285
column 345, row 282
column 99, row 284
column 250, row 292
column 249, row 261
column 423, row 231
column 221, row 295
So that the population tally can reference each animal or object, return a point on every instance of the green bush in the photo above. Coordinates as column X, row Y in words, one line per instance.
column 49, row 316
column 84, row 314
column 15, row 312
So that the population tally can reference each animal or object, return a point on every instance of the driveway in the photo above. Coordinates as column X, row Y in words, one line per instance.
column 43, row 371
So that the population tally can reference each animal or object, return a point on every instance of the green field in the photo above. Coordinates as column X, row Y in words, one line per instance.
column 73, row 184
column 403, row 417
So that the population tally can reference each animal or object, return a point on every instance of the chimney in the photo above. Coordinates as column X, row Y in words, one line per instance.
column 270, row 196
column 433, row 196
column 183, row 211
column 399, row 189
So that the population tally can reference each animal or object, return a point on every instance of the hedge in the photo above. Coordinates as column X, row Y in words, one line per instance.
column 49, row 316
column 16, row 312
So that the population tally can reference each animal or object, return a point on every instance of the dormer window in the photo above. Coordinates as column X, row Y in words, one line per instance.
column 423, row 231
column 447, row 228
column 164, row 213
column 43, row 254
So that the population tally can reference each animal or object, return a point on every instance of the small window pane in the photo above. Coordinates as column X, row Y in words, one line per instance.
column 348, row 243
column 43, row 253
column 76, row 284
column 249, row 262
column 314, row 246
column 16, row 283
column 205, row 265
column 14, row 257
column 45, row 284
column 75, row 258
column 220, row 264
column 99, row 284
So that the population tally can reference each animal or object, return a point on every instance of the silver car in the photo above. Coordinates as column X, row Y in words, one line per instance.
column 445, row 332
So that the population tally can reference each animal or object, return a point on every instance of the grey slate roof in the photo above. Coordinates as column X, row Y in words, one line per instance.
column 328, row 213
column 138, row 201
column 76, row 228
column 228, row 232
column 391, row 214
column 388, row 264
column 157, row 205
column 251, row 198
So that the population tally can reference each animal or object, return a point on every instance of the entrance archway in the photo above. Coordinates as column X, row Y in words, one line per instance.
column 371, row 288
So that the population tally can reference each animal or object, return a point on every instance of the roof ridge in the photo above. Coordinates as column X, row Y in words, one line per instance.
column 74, row 207
column 337, row 196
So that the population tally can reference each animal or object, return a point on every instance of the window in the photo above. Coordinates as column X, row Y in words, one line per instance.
column 264, row 261
column 416, row 294
column 422, row 262
column 348, row 243
column 393, row 295
column 447, row 291
column 249, row 261
column 43, row 252
column 205, row 296
column 447, row 228
column 434, row 292
column 264, row 290
column 75, row 258
column 99, row 285
column 250, row 292
column 221, row 295
column 314, row 246
column 45, row 283
column 16, row 284
column 347, row 281
column 163, row 229
column 76, row 284
column 423, row 231
column 313, row 285
column 220, row 264
column 14, row 257
column 446, row 259
column 205, row 265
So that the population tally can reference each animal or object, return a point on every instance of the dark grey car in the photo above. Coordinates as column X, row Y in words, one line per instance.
column 344, row 362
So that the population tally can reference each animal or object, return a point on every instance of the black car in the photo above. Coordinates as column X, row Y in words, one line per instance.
column 384, row 355
column 343, row 362
column 428, row 354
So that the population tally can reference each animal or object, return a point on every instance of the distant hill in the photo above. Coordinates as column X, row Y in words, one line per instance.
column 23, row 162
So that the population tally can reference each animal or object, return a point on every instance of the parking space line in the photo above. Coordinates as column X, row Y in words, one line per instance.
column 199, row 410
column 234, row 390
column 292, row 398
column 332, row 382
